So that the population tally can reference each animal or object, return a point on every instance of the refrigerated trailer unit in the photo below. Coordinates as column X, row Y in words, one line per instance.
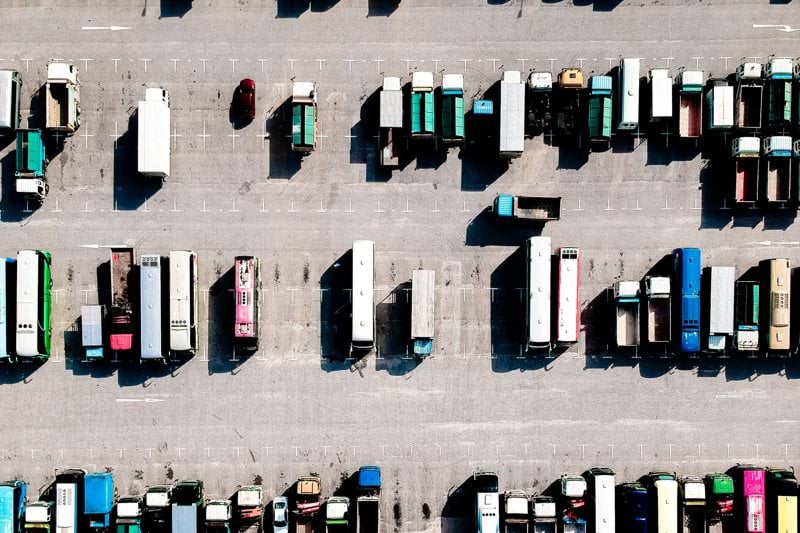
column 512, row 115
column 720, row 315
column 153, row 157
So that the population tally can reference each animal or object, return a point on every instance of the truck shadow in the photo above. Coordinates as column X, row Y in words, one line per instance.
column 382, row 8
column 131, row 189
column 235, row 117
column 292, row 8
column 223, row 357
column 175, row 8
column 363, row 132
column 12, row 207
column 19, row 372
column 480, row 164
column 283, row 163
column 335, row 308
column 486, row 230
column 457, row 512
column 75, row 357
column 393, row 316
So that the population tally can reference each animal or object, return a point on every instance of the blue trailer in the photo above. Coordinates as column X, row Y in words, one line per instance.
column 98, row 500
column 687, row 268
column 12, row 506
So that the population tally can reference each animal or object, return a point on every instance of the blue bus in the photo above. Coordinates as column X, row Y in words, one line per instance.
column 687, row 268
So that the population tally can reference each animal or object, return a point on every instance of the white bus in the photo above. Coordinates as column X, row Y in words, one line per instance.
column 629, row 94
column 150, row 307
column 68, row 502
column 363, row 313
column 33, row 321
column 537, row 310
column 183, row 301
column 602, row 500
column 569, row 271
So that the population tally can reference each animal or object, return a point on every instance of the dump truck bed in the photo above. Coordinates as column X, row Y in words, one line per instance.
column 690, row 121
column 779, row 179
column 747, row 170
column 537, row 207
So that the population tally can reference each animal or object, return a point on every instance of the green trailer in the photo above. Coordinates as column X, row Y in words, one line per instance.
column 453, row 109
column 422, row 108
column 31, row 181
column 600, row 112
column 304, row 117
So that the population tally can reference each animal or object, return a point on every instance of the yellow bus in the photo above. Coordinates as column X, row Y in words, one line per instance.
column 779, row 308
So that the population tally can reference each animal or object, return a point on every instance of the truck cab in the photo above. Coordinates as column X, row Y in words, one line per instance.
column 544, row 514
column 39, row 517
column 249, row 511
column 156, row 511
column 218, row 516
column 487, row 502
column 129, row 515
column 13, row 495
column 31, row 180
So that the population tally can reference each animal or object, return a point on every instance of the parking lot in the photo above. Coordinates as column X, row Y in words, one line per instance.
column 291, row 407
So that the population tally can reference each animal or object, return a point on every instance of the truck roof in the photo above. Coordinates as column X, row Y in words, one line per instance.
column 91, row 325
column 694, row 489
column 779, row 68
column 303, row 90
column 658, row 285
column 129, row 508
column 746, row 146
column 749, row 71
column 369, row 477
column 336, row 507
column 626, row 289
column 156, row 94
column 778, row 145
column 573, row 486
column 690, row 79
column 249, row 496
column 392, row 83
column 722, row 290
column 422, row 304
column 62, row 71
column 571, row 78
column 540, row 80
column 308, row 485
column 391, row 100
column 452, row 81
column 98, row 493
column 544, row 507
column 218, row 511
column 512, row 113
column 38, row 512
column 516, row 503
column 422, row 81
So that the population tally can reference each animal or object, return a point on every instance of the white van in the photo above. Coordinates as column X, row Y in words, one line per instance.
column 10, row 100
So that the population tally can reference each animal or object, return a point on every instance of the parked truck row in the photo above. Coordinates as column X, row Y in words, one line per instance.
column 735, row 316
column 83, row 502
column 746, row 499
column 755, row 101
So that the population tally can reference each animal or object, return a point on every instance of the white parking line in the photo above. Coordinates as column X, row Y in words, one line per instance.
column 291, row 63
column 27, row 62
column 204, row 135
column 85, row 64
column 262, row 61
column 86, row 135
column 145, row 64
column 204, row 61
column 116, row 63
column 233, row 65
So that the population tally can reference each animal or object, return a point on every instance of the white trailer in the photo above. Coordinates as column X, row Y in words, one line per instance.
column 154, row 133
column 661, row 94
column 391, row 121
column 512, row 114
column 720, row 316
column 720, row 105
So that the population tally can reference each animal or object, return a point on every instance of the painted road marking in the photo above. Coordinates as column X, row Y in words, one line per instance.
column 107, row 28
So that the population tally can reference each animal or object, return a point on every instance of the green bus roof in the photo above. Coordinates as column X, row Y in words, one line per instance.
column 721, row 483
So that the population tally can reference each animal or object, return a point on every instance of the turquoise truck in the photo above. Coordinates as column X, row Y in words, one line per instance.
column 537, row 208
column 31, row 181
column 422, row 107
column 600, row 113
column 304, row 117
column 453, row 109
column 12, row 506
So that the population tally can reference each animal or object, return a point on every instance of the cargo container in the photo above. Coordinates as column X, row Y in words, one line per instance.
column 720, row 315
column 422, row 106
column 659, row 309
column 660, row 95
column 153, row 157
column 391, row 121
column 92, row 318
column 304, row 117
column 599, row 112
column 746, row 308
column 121, row 312
column 512, row 115
column 779, row 93
column 453, row 109
column 13, row 497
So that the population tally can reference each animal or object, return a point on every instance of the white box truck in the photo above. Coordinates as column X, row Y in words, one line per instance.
column 512, row 114
column 154, row 139
column 720, row 316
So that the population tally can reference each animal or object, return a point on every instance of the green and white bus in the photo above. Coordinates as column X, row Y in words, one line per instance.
column 34, row 305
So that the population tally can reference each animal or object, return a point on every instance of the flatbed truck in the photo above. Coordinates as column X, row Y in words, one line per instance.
column 749, row 91
column 62, row 98
column 540, row 208
column 659, row 310
column 391, row 122
column 690, row 103
column 746, row 152
column 626, row 303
